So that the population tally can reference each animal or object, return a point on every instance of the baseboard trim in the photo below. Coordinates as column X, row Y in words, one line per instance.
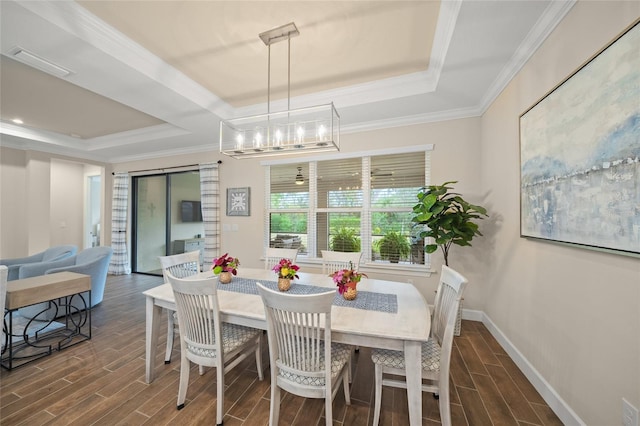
column 555, row 402
column 472, row 315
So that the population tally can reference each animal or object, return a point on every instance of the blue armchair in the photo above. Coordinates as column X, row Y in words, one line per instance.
column 49, row 255
column 92, row 261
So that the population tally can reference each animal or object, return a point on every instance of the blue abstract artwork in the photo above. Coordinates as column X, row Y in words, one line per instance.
column 580, row 154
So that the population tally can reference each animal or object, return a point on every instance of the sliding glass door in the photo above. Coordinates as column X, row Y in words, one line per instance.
column 166, row 218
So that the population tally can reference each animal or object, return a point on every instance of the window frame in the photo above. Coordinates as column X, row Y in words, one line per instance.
column 365, row 211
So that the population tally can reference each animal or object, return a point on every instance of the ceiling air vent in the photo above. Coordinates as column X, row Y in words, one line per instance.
column 36, row 61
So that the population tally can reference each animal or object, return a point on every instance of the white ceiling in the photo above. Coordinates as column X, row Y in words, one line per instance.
column 154, row 78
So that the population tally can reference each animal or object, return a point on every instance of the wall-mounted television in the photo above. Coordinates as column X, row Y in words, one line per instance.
column 190, row 211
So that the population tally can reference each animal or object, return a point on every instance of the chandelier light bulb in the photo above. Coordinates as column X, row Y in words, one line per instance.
column 257, row 139
column 322, row 132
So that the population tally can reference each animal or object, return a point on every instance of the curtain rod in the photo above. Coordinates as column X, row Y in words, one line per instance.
column 161, row 169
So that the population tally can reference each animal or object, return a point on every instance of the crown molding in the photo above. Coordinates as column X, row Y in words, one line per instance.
column 411, row 120
column 553, row 14
column 27, row 144
column 135, row 136
column 208, row 149
column 43, row 136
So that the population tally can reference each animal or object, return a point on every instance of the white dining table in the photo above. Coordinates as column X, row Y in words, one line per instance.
column 403, row 330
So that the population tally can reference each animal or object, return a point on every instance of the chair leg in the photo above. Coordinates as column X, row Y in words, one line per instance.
column 328, row 407
column 345, row 385
column 219, row 391
column 274, row 409
column 259, row 358
column 170, row 331
column 445, row 409
column 378, row 394
column 185, row 366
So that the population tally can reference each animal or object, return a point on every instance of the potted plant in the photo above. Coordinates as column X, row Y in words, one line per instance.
column 347, row 281
column 225, row 266
column 448, row 217
column 286, row 271
column 394, row 246
column 345, row 240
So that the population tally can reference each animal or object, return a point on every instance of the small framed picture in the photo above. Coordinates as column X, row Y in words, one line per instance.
column 238, row 201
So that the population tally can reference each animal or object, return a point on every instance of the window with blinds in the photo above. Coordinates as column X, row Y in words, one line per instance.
column 395, row 181
column 289, row 207
column 349, row 204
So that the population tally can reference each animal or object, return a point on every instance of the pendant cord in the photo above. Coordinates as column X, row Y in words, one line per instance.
column 269, row 80
column 289, row 73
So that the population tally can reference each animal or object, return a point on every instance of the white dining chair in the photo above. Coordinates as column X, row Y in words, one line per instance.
column 207, row 341
column 273, row 256
column 180, row 265
column 304, row 361
column 436, row 352
column 335, row 260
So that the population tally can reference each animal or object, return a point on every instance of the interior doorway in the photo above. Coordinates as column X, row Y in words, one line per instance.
column 93, row 208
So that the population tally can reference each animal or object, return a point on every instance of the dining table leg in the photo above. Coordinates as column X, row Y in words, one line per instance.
column 412, row 360
column 152, row 329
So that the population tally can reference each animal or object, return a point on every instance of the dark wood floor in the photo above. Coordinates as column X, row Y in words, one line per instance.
column 101, row 382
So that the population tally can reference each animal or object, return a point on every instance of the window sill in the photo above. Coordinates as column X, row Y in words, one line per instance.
column 403, row 270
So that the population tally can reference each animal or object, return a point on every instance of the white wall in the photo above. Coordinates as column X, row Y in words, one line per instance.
column 42, row 201
column 66, row 214
column 13, row 201
column 573, row 313
column 38, row 196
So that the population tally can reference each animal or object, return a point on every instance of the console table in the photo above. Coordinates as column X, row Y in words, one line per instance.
column 192, row 244
column 31, row 338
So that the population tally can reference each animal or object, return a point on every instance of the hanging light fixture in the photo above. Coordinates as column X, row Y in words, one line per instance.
column 299, row 177
column 310, row 129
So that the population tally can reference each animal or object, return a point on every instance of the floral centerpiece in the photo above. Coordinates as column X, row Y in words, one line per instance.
column 347, row 280
column 286, row 271
column 225, row 265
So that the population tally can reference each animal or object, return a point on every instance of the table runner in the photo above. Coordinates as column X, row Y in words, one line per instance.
column 366, row 300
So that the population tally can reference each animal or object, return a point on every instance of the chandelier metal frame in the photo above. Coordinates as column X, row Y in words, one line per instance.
column 293, row 131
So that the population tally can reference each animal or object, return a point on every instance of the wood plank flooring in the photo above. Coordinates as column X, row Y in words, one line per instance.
column 101, row 382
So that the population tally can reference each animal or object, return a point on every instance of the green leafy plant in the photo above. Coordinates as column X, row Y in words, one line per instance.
column 346, row 240
column 394, row 246
column 226, row 263
column 448, row 216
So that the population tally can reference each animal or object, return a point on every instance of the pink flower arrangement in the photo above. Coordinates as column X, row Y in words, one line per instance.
column 347, row 278
column 226, row 263
column 286, row 269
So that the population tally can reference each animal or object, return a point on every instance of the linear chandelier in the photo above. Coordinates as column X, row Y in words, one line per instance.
column 294, row 131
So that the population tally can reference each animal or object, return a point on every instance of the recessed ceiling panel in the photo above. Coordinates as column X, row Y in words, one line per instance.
column 49, row 103
column 341, row 43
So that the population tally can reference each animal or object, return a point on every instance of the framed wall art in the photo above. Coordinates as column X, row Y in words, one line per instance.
column 580, row 154
column 238, row 201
